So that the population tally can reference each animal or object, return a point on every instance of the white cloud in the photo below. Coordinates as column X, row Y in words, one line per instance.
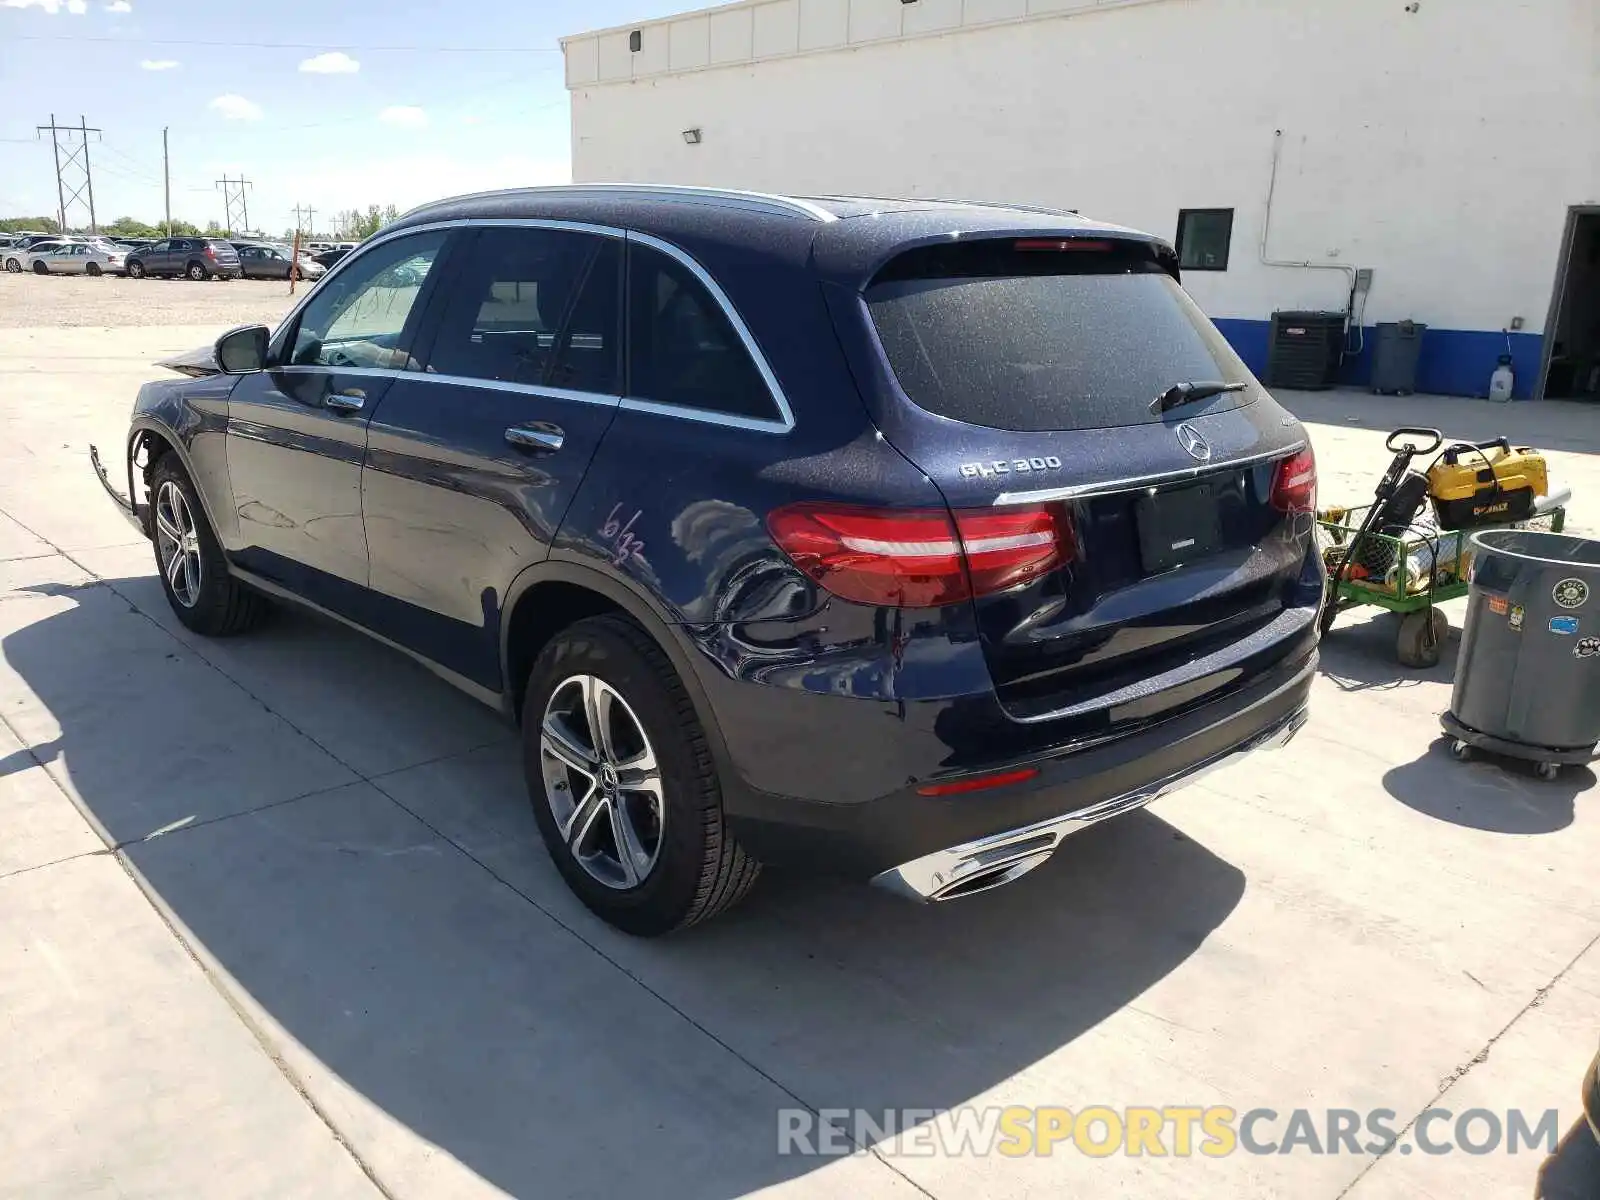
column 119, row 6
column 236, row 108
column 75, row 7
column 158, row 64
column 335, row 62
column 406, row 116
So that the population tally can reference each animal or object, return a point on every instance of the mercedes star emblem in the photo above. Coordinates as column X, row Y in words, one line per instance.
column 1191, row 440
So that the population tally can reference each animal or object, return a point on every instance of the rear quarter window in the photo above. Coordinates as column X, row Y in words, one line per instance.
column 1045, row 333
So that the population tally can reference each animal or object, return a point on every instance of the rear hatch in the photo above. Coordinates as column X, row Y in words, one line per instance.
column 222, row 253
column 1157, row 554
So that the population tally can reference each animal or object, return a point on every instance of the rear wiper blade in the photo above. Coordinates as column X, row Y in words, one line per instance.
column 1180, row 394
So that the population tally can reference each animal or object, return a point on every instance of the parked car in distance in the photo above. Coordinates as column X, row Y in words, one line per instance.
column 272, row 262
column 22, row 257
column 74, row 258
column 328, row 258
column 192, row 257
column 893, row 539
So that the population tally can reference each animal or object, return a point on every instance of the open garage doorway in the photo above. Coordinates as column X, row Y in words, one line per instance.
column 1572, row 334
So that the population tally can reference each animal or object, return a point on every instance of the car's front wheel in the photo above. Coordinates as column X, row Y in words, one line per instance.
column 197, row 272
column 14, row 266
column 623, row 784
column 189, row 559
column 136, row 270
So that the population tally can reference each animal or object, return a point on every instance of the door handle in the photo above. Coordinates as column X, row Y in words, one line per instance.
column 348, row 401
column 538, row 436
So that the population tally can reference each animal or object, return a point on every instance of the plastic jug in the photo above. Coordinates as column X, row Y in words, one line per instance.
column 1502, row 381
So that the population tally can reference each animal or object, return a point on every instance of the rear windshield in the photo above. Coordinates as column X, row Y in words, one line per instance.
column 1045, row 333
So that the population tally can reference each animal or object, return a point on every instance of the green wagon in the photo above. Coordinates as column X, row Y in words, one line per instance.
column 1396, row 585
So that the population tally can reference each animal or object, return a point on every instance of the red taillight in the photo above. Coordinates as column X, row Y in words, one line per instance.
column 919, row 557
column 978, row 784
column 1294, row 483
column 211, row 252
column 1082, row 245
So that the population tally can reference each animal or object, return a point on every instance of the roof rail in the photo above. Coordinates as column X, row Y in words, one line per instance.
column 1033, row 208
column 755, row 201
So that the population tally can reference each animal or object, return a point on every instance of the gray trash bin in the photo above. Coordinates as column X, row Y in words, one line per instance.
column 1395, row 355
column 1528, row 675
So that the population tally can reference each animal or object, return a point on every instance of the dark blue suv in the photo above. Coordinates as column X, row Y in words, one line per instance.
column 894, row 538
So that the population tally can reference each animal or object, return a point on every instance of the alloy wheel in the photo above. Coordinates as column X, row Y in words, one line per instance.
column 178, row 544
column 602, row 781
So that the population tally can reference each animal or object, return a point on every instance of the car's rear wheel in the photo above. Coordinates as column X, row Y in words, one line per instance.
column 189, row 559
column 197, row 272
column 40, row 269
column 92, row 269
column 623, row 783
column 136, row 270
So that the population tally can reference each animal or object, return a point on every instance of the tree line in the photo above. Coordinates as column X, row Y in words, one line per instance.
column 121, row 227
column 352, row 224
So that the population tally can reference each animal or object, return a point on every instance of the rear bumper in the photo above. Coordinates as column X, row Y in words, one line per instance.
column 904, row 839
column 1000, row 858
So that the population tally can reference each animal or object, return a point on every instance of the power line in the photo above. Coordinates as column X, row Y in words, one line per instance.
column 143, row 41
column 77, row 160
column 233, row 202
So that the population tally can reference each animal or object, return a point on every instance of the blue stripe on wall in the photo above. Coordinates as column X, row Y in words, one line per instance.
column 1453, row 362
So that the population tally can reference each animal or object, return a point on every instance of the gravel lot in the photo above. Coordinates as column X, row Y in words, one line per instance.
column 109, row 302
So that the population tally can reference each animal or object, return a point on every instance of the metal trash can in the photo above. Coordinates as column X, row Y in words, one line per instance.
column 1528, row 676
column 1394, row 357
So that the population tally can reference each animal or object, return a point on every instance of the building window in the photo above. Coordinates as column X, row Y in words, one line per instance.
column 1203, row 237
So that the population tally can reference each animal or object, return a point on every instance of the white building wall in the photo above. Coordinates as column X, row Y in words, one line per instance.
column 1441, row 147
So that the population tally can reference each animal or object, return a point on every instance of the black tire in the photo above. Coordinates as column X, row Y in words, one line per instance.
column 92, row 269
column 39, row 268
column 224, row 606
column 14, row 266
column 700, row 869
column 136, row 270
column 197, row 272
column 1421, row 638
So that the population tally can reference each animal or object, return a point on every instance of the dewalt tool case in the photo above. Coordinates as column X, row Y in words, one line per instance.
column 1489, row 483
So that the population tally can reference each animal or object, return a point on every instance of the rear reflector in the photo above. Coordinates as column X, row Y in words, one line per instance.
column 1083, row 245
column 979, row 783
column 920, row 557
column 1294, row 483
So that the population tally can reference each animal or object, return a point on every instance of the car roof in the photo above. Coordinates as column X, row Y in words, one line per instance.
column 841, row 237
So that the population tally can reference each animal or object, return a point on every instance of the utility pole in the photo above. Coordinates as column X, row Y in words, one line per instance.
column 233, row 202
column 308, row 223
column 166, row 179
column 68, row 169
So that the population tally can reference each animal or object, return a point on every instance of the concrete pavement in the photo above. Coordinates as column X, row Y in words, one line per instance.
column 274, row 920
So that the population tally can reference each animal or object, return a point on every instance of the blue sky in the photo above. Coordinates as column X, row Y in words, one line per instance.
column 340, row 119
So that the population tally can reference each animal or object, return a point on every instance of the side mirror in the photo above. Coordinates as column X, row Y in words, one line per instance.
column 243, row 350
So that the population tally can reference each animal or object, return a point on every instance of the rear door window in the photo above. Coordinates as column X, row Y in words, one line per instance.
column 1046, row 333
column 682, row 348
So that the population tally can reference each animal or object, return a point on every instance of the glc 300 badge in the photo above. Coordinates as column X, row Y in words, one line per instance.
column 1009, row 466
